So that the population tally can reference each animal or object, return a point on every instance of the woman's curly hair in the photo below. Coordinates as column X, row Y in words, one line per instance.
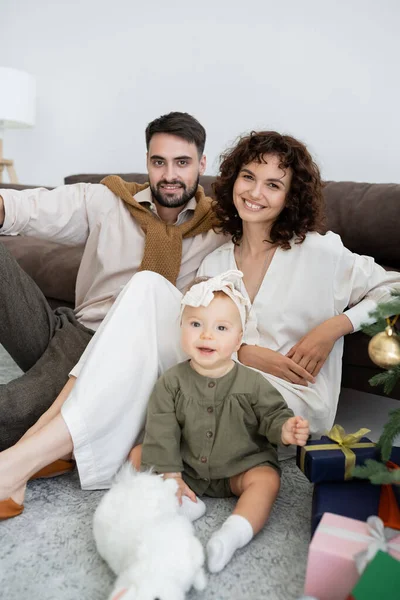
column 304, row 207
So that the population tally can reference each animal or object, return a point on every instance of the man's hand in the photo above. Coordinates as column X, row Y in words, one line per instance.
column 314, row 348
column 183, row 488
column 274, row 363
column 295, row 431
column 2, row 212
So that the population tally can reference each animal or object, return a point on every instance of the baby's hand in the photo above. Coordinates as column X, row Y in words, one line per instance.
column 183, row 488
column 295, row 431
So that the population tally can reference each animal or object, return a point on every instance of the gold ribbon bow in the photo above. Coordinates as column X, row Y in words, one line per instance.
column 343, row 442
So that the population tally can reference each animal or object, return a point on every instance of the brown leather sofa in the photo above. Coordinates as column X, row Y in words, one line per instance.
column 366, row 216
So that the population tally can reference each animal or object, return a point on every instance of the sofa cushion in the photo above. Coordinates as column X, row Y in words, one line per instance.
column 366, row 216
column 53, row 266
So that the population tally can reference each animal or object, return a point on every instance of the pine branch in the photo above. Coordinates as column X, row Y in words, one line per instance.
column 388, row 379
column 387, row 309
column 377, row 327
column 370, row 468
column 380, row 313
column 387, row 477
column 376, row 472
column 390, row 431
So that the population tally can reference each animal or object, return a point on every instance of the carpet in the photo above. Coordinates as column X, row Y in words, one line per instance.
column 48, row 552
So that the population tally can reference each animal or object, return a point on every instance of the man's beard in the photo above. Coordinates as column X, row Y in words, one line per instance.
column 169, row 200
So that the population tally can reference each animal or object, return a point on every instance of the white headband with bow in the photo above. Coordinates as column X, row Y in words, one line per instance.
column 201, row 294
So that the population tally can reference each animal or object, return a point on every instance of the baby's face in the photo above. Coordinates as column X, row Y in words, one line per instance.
column 211, row 334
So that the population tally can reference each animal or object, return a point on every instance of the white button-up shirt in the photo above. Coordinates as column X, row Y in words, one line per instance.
column 303, row 287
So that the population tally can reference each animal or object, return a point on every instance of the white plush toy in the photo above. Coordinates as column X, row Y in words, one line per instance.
column 140, row 534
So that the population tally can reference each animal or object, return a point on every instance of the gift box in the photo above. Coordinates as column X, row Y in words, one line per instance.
column 356, row 499
column 395, row 455
column 380, row 580
column 333, row 457
column 340, row 551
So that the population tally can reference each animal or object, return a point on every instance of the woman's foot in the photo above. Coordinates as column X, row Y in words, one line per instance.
column 13, row 506
column 13, row 475
column 20, row 462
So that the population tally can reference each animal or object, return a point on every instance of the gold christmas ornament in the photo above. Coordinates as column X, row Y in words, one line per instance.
column 384, row 347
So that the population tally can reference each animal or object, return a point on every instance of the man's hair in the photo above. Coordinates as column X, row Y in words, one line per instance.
column 180, row 124
column 304, row 208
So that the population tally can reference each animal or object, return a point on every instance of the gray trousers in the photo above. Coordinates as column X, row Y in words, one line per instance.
column 45, row 344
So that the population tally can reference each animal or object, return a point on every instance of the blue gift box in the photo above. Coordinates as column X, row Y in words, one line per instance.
column 395, row 455
column 356, row 499
column 330, row 465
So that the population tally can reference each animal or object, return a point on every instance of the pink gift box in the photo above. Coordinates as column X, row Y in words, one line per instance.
column 331, row 567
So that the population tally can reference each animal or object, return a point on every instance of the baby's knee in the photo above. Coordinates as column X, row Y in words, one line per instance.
column 265, row 476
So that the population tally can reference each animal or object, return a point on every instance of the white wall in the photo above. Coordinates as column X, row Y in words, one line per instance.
column 326, row 72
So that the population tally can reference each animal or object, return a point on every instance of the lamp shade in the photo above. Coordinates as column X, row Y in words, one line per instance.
column 17, row 98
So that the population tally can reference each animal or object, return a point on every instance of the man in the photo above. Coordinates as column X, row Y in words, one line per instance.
column 165, row 226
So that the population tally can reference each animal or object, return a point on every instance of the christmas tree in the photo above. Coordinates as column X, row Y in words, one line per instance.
column 384, row 350
column 384, row 347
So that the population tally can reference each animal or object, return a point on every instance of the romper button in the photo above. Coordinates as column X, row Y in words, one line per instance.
column 211, row 384
column 209, row 434
column 210, row 409
column 203, row 459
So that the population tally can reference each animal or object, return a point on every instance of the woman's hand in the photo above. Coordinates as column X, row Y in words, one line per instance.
column 274, row 363
column 314, row 348
column 183, row 488
column 295, row 431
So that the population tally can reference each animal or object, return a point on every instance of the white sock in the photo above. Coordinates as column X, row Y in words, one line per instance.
column 192, row 510
column 235, row 533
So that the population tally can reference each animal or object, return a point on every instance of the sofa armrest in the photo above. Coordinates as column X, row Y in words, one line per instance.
column 52, row 266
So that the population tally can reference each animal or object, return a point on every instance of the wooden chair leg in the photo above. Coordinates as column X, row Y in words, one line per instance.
column 12, row 173
column 9, row 165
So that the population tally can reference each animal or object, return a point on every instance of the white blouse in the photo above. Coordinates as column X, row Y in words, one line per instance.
column 303, row 287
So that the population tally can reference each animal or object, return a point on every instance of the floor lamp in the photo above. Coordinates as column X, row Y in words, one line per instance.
column 17, row 109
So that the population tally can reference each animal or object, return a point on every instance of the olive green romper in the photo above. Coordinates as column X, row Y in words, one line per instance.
column 211, row 429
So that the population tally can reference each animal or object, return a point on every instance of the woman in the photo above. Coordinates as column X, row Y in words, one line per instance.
column 300, row 283
column 269, row 198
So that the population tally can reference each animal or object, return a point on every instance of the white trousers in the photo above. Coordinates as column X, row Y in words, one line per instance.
column 137, row 341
